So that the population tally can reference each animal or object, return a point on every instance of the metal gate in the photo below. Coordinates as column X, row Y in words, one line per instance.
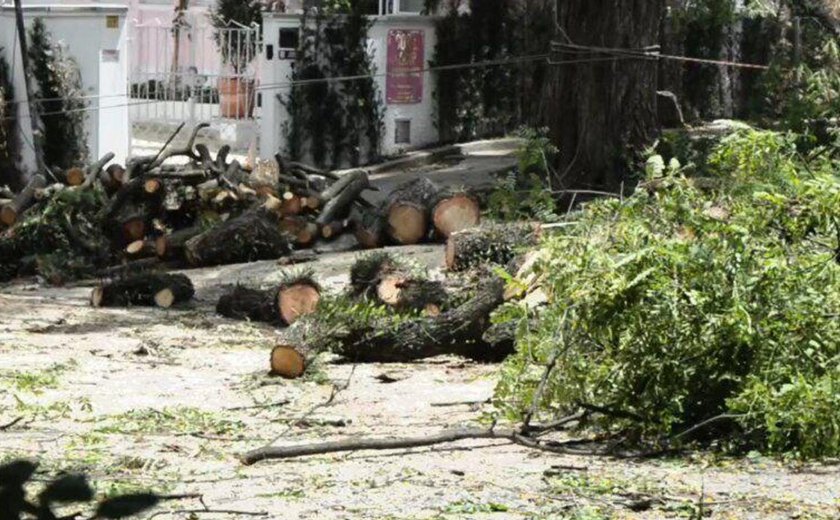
column 190, row 71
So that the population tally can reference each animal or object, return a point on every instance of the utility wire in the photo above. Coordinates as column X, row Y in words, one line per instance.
column 613, row 54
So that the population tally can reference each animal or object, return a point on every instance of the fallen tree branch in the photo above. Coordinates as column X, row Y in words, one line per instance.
column 4, row 427
column 208, row 511
column 446, row 436
column 288, row 452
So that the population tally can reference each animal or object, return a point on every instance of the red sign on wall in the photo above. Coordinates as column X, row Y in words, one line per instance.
column 404, row 82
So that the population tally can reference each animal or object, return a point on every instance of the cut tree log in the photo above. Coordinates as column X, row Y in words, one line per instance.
column 146, row 289
column 112, row 178
column 140, row 249
column 369, row 227
column 254, row 235
column 290, row 362
column 458, row 331
column 340, row 196
column 152, row 185
column 408, row 210
column 10, row 212
column 71, row 177
column 292, row 204
column 412, row 293
column 454, row 212
column 382, row 278
column 303, row 230
column 492, row 243
column 335, row 228
column 296, row 296
column 133, row 225
column 369, row 270
column 171, row 246
column 243, row 303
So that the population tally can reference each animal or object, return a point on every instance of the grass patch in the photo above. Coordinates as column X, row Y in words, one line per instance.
column 36, row 381
column 52, row 411
column 285, row 494
column 470, row 507
column 175, row 420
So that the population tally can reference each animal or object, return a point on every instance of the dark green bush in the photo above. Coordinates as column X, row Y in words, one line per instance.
column 679, row 305
column 9, row 143
column 61, row 105
column 335, row 122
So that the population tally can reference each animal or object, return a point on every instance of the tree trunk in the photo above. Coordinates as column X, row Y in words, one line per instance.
column 293, row 298
column 494, row 243
column 454, row 212
column 10, row 212
column 458, row 331
column 604, row 108
column 150, row 289
column 408, row 210
column 254, row 235
column 171, row 246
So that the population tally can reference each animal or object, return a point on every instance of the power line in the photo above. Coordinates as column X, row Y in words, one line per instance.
column 613, row 52
column 277, row 86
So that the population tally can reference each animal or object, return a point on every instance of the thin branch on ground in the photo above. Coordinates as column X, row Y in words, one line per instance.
column 460, row 403
column 322, row 448
column 282, row 402
column 4, row 427
column 208, row 512
column 710, row 420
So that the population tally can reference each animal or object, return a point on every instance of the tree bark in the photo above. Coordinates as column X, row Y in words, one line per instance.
column 283, row 305
column 171, row 246
column 457, row 331
column 452, row 212
column 10, row 212
column 604, row 108
column 494, row 243
column 409, row 209
column 254, row 235
column 149, row 289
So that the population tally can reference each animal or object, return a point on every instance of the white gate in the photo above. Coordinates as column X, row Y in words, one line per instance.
column 193, row 72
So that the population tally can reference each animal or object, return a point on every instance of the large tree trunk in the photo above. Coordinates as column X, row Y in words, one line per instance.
column 604, row 107
column 254, row 235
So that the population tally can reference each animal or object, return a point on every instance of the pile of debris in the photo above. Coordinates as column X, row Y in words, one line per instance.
column 99, row 221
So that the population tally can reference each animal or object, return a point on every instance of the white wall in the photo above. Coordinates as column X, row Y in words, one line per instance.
column 277, row 71
column 421, row 115
column 100, row 51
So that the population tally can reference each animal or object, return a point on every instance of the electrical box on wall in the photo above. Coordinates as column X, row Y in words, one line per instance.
column 402, row 131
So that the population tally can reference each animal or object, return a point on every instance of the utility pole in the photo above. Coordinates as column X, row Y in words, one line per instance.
column 33, row 111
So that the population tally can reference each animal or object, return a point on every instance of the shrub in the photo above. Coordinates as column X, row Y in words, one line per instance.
column 680, row 305
column 9, row 144
column 334, row 123
column 61, row 105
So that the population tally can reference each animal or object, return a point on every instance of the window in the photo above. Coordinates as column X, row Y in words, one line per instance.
column 288, row 43
column 402, row 131
column 289, row 38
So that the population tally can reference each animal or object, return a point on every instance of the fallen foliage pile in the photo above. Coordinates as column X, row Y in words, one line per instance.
column 693, row 310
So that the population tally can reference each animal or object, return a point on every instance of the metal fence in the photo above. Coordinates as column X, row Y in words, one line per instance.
column 191, row 71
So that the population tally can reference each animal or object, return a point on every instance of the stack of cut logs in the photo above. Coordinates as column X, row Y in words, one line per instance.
column 213, row 211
